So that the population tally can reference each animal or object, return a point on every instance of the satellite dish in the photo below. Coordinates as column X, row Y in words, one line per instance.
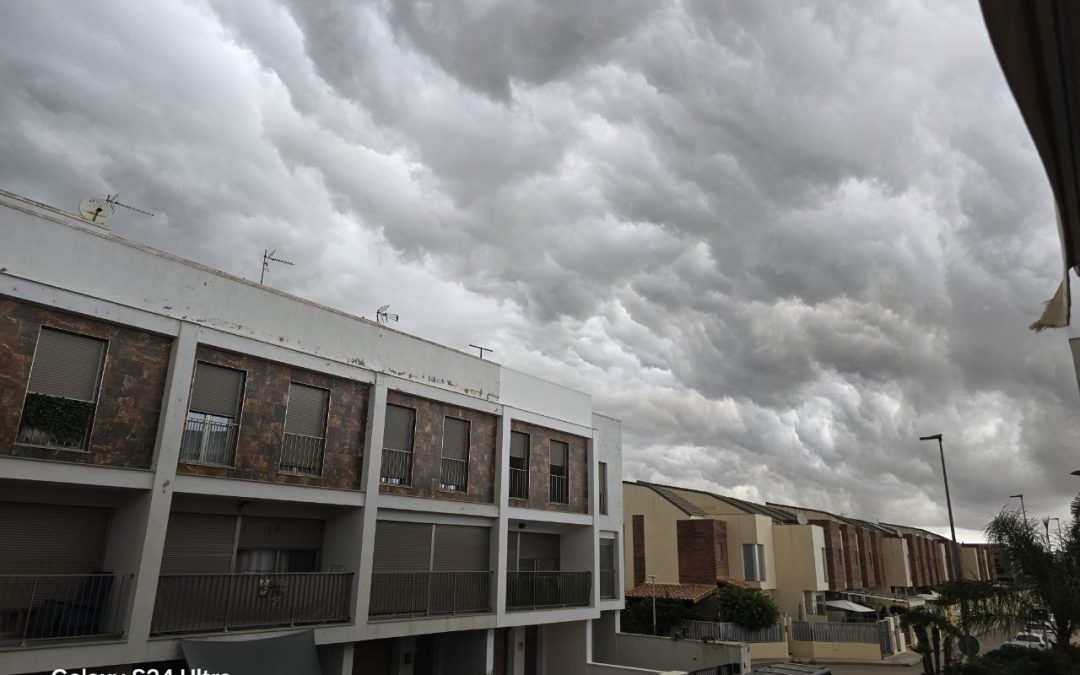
column 800, row 518
column 95, row 210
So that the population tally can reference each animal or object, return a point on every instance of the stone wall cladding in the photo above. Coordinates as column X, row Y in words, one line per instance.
column 702, row 551
column 124, row 429
column 869, row 577
column 262, row 424
column 638, row 526
column 876, row 537
column 834, row 556
column 852, row 567
column 539, row 466
column 427, row 451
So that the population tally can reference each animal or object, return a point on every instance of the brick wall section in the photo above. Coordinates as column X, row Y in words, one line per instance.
column 928, row 570
column 262, row 424
column 852, row 568
column 540, row 469
column 869, row 577
column 834, row 558
column 914, row 560
column 876, row 539
column 125, row 422
column 637, row 524
column 702, row 550
column 427, row 451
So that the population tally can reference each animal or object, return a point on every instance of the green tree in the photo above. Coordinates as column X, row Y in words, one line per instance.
column 748, row 608
column 936, row 635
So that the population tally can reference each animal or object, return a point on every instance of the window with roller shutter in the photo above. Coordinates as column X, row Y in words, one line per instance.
column 559, row 489
column 519, row 465
column 305, row 429
column 455, row 455
column 398, row 431
column 65, row 377
column 213, row 411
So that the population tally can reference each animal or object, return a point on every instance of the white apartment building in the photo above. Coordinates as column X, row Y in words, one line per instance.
column 187, row 454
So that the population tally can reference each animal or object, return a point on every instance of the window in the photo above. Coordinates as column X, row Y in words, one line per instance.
column 602, row 480
column 559, row 492
column 210, row 430
column 814, row 602
column 63, row 389
column 398, row 445
column 753, row 562
column 824, row 565
column 607, row 568
column 455, row 455
column 519, row 465
column 305, row 429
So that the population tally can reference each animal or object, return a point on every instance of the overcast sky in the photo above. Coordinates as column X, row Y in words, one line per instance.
column 779, row 240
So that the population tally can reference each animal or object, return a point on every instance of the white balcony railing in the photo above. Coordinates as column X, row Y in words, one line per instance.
column 455, row 475
column 519, row 483
column 208, row 442
column 396, row 467
column 301, row 454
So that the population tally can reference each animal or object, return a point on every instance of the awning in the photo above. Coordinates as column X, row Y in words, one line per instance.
column 932, row 595
column 292, row 654
column 1038, row 47
column 848, row 605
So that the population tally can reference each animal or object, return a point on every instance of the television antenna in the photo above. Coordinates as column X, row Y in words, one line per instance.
column 268, row 257
column 100, row 209
column 482, row 349
column 383, row 317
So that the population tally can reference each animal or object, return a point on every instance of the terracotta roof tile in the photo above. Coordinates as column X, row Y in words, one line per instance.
column 689, row 592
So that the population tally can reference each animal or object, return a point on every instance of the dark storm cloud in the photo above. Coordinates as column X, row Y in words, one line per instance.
column 780, row 240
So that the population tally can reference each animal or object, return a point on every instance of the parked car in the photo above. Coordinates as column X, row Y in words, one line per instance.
column 1027, row 641
column 792, row 669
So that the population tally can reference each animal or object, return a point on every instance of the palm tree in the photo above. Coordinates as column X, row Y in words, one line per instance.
column 1043, row 578
column 935, row 633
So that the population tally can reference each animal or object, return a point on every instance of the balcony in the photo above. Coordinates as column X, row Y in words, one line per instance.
column 607, row 584
column 411, row 594
column 396, row 467
column 55, row 422
column 519, row 483
column 61, row 607
column 216, row 603
column 455, row 475
column 559, row 490
column 301, row 454
column 540, row 590
column 208, row 441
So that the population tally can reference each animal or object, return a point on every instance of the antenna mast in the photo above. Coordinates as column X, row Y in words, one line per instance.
column 268, row 257
column 112, row 201
column 382, row 316
column 482, row 349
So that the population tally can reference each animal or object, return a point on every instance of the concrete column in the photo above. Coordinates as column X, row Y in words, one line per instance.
column 489, row 651
column 594, row 513
column 166, row 454
column 502, row 499
column 373, row 444
column 517, row 650
column 335, row 659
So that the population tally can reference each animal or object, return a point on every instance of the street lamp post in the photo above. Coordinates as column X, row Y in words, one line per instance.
column 957, row 568
column 1058, row 527
column 652, row 578
column 1023, row 510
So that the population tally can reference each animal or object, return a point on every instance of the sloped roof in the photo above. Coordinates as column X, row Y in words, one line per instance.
column 688, row 592
column 688, row 507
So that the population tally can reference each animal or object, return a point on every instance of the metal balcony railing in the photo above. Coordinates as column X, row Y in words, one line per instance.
column 455, row 475
column 207, row 603
column 607, row 584
column 559, row 490
column 208, row 442
column 535, row 590
column 301, row 454
column 404, row 594
column 519, row 483
column 396, row 467
column 61, row 606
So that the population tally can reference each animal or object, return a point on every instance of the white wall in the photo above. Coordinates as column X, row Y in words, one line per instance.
column 526, row 392
column 660, row 653
column 564, row 648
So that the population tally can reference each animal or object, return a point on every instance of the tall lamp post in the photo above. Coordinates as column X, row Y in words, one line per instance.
column 957, row 569
column 1058, row 527
column 652, row 580
column 1023, row 510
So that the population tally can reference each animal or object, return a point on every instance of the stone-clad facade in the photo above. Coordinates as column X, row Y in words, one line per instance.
column 262, row 424
column 124, row 428
column 427, row 451
column 540, row 466
column 834, row 554
column 852, row 567
column 702, row 553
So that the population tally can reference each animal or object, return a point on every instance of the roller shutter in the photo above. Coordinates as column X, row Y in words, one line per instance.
column 402, row 547
column 281, row 534
column 67, row 365
column 398, row 433
column 607, row 554
column 461, row 548
column 52, row 539
column 455, row 439
column 216, row 390
column 306, row 414
column 199, row 543
column 559, row 453
column 519, row 445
